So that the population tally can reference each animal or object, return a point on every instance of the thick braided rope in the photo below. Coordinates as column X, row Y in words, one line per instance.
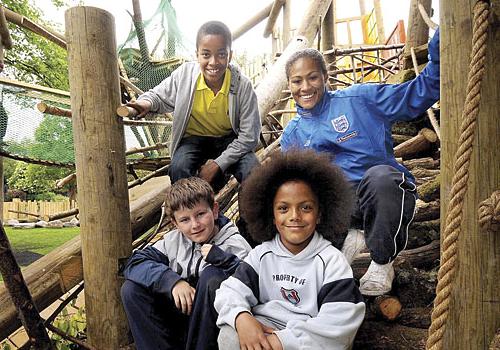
column 459, row 182
column 489, row 213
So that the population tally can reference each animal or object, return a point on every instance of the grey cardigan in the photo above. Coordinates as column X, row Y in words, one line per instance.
column 178, row 90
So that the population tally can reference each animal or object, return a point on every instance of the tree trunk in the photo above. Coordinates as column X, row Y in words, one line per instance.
column 20, row 295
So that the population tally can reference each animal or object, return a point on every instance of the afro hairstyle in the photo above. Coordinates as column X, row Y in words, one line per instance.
column 326, row 180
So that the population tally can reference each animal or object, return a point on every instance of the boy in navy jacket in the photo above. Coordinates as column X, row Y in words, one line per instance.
column 170, row 286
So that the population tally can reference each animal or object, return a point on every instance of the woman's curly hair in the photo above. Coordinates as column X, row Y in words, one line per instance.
column 325, row 179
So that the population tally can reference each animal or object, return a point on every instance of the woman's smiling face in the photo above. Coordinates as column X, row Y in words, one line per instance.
column 306, row 82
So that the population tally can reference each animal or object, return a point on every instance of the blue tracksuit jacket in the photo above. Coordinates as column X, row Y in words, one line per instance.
column 354, row 124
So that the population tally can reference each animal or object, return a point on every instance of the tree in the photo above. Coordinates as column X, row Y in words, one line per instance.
column 37, row 181
column 54, row 140
column 33, row 58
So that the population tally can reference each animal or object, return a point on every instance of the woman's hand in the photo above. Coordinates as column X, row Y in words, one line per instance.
column 183, row 295
column 252, row 333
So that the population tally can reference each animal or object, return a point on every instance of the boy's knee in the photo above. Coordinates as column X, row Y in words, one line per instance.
column 129, row 291
column 211, row 278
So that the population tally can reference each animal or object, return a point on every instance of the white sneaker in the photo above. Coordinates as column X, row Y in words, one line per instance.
column 353, row 244
column 377, row 280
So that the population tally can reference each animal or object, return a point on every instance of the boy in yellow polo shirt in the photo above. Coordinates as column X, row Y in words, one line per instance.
column 216, row 123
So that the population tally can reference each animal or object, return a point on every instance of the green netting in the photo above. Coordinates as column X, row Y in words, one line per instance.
column 26, row 133
column 152, row 49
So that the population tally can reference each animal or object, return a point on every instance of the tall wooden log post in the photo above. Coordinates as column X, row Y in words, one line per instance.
column 418, row 32
column 269, row 89
column 328, row 35
column 287, row 13
column 101, row 171
column 475, row 300
column 380, row 21
column 327, row 30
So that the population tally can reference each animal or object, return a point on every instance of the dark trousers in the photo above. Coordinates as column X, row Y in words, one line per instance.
column 194, row 151
column 156, row 323
column 384, row 209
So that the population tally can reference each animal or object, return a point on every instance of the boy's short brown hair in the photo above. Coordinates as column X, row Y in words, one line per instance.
column 186, row 193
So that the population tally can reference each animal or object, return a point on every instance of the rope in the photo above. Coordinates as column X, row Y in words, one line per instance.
column 489, row 213
column 449, row 257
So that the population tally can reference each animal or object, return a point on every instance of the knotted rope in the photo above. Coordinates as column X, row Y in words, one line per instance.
column 449, row 257
column 489, row 213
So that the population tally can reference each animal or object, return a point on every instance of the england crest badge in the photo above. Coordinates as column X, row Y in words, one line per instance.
column 340, row 124
column 291, row 295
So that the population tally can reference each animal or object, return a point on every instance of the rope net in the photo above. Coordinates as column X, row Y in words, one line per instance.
column 30, row 135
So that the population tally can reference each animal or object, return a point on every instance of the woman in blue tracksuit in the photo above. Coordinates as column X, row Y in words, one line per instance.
column 354, row 126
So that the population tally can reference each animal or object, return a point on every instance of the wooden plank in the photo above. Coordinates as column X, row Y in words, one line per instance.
column 10, row 82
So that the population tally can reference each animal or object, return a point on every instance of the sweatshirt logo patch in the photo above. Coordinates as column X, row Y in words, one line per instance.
column 340, row 124
column 291, row 295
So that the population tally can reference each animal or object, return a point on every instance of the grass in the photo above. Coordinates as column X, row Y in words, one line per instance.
column 40, row 240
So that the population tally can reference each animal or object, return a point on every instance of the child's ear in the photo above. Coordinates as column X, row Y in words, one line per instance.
column 230, row 56
column 215, row 210
column 172, row 220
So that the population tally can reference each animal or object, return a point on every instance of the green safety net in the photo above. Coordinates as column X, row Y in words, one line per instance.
column 148, row 56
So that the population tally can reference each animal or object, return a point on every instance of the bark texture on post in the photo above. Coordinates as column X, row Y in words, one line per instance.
column 327, row 31
column 475, row 301
column 100, row 167
column 418, row 32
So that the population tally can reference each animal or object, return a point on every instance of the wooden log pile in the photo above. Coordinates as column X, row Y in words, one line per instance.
column 401, row 320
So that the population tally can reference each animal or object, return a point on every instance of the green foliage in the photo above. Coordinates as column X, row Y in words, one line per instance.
column 54, row 140
column 33, row 58
column 5, row 345
column 73, row 324
column 36, row 180
column 9, row 165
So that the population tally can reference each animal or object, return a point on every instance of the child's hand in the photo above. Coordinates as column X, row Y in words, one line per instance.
column 205, row 249
column 252, row 333
column 275, row 342
column 183, row 295
column 209, row 171
column 142, row 107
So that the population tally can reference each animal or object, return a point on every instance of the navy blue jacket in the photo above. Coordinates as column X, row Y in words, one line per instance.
column 159, row 267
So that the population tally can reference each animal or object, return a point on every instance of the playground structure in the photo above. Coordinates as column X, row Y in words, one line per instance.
column 107, row 194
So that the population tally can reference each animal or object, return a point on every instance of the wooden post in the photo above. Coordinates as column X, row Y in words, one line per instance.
column 101, row 171
column 418, row 32
column 287, row 10
column 475, row 300
column 252, row 22
column 380, row 21
column 273, row 16
column 327, row 30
